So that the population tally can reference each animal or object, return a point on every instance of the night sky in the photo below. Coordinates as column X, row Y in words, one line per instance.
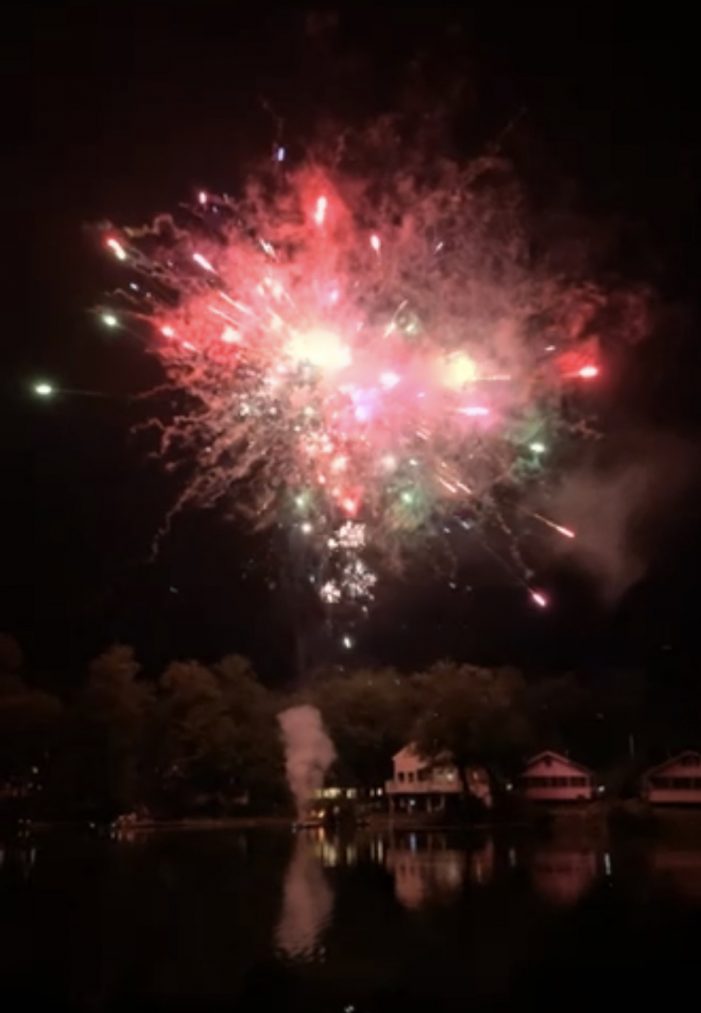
column 118, row 111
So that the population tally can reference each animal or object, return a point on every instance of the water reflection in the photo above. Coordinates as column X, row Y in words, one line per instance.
column 425, row 920
column 333, row 850
column 678, row 870
column 423, row 876
column 307, row 904
column 481, row 863
column 426, row 870
column 563, row 876
column 18, row 858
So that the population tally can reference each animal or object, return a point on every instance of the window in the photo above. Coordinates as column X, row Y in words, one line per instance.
column 400, row 776
column 423, row 774
column 410, row 775
column 537, row 782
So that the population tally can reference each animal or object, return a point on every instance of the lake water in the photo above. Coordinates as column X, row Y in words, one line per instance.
column 266, row 920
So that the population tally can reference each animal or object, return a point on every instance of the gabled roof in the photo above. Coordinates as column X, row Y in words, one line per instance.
column 408, row 750
column 411, row 751
column 557, row 756
column 673, row 760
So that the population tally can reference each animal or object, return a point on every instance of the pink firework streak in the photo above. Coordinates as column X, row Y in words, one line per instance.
column 360, row 360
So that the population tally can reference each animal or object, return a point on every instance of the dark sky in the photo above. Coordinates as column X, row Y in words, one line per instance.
column 117, row 111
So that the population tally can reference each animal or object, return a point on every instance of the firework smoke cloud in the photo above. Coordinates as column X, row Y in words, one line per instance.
column 309, row 753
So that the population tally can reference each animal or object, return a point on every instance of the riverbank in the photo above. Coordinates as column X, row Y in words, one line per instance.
column 596, row 821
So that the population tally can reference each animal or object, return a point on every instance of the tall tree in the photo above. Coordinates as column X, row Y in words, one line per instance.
column 477, row 715
column 369, row 715
column 110, row 723
column 30, row 728
column 219, row 736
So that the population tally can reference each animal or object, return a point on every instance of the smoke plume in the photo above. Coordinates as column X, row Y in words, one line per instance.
column 621, row 514
column 309, row 752
column 307, row 904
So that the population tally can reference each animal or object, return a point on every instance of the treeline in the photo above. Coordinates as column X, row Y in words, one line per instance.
column 205, row 739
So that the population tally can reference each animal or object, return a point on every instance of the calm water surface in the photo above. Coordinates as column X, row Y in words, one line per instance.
column 264, row 920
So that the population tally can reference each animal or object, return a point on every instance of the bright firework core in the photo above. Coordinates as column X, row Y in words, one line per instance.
column 319, row 348
column 370, row 367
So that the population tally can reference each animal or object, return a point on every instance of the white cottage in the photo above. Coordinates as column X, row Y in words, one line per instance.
column 550, row 777
column 675, row 782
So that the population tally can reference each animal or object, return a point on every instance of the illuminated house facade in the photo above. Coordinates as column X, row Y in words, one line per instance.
column 427, row 784
column 549, row 777
column 675, row 782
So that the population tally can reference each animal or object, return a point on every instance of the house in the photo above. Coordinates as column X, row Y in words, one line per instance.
column 549, row 777
column 674, row 782
column 425, row 784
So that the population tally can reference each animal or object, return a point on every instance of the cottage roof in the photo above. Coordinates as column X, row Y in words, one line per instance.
column 411, row 752
column 674, row 761
column 550, row 754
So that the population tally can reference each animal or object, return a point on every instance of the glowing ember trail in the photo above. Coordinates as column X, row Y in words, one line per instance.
column 368, row 367
column 116, row 248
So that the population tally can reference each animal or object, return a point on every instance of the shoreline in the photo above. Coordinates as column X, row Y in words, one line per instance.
column 580, row 819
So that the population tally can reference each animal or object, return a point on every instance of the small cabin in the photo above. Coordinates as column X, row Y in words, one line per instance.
column 675, row 782
column 550, row 777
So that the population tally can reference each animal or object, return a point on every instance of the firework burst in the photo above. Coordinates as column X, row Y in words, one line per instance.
column 370, row 361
